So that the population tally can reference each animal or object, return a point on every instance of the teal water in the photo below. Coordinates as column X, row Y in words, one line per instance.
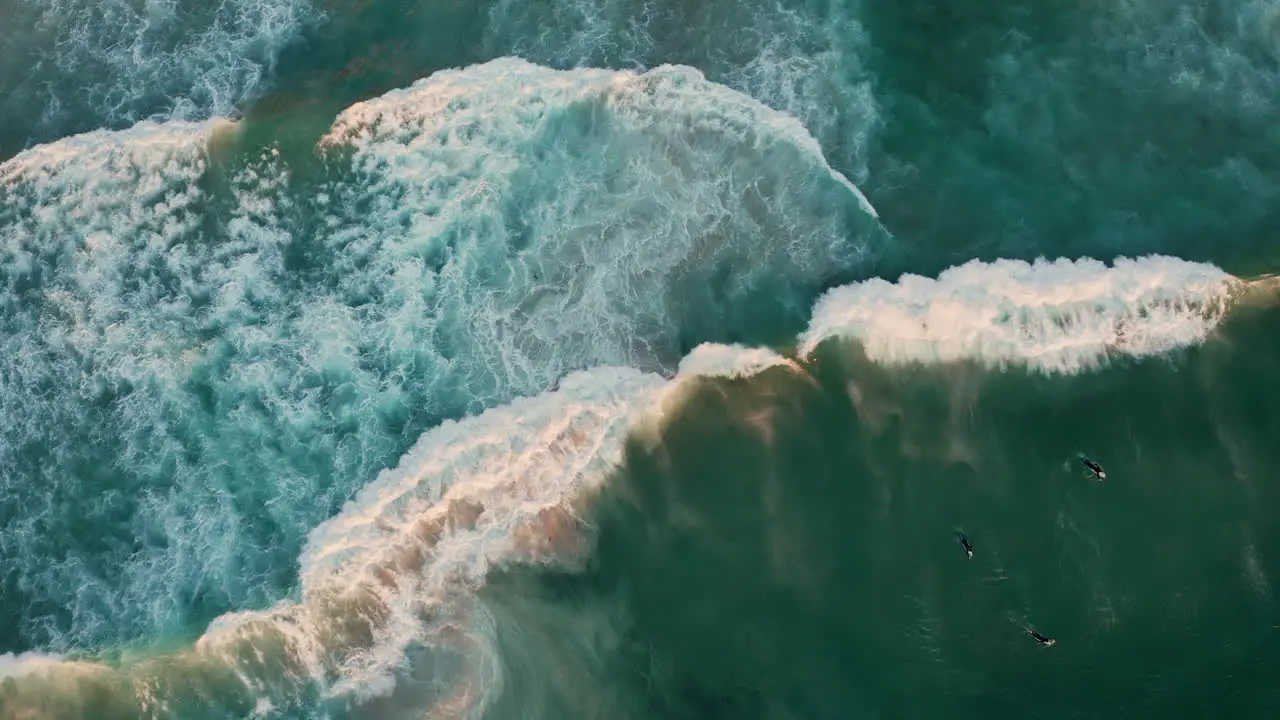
column 492, row 359
column 788, row 549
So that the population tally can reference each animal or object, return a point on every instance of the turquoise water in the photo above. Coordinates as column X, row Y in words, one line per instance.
column 612, row 359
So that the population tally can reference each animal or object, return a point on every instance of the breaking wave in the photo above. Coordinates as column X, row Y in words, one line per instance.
column 1059, row 316
column 388, row 586
column 391, row 580
column 220, row 344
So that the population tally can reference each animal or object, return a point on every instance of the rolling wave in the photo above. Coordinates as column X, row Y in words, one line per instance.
column 1058, row 316
column 388, row 585
column 221, row 345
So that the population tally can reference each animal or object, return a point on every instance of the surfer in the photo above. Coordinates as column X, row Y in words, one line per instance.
column 964, row 540
column 1094, row 467
column 1045, row 641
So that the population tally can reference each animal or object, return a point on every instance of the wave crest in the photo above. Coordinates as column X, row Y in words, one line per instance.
column 231, row 342
column 390, row 582
column 1062, row 316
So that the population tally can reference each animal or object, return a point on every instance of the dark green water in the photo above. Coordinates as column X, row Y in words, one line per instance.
column 788, row 550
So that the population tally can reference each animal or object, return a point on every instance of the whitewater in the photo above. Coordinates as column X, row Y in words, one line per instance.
column 284, row 389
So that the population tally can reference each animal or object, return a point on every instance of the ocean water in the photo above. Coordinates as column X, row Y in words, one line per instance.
column 614, row 359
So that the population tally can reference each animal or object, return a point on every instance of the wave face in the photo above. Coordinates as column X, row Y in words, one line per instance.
column 388, row 616
column 219, row 348
column 388, row 585
column 788, row 544
column 1055, row 317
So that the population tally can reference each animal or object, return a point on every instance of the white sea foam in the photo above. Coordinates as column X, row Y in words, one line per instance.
column 735, row 361
column 116, row 61
column 504, row 226
column 15, row 665
column 495, row 229
column 672, row 105
column 1058, row 317
column 501, row 487
column 494, row 488
column 92, row 301
column 806, row 62
column 548, row 220
column 399, row 566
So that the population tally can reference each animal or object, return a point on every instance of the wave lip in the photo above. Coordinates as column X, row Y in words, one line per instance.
column 1058, row 316
column 674, row 89
column 729, row 361
column 550, row 220
column 502, row 487
column 390, row 581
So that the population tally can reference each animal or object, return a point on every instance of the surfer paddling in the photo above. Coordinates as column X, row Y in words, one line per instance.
column 1045, row 641
column 1093, row 467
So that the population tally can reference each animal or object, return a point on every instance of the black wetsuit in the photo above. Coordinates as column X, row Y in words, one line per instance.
column 1043, row 640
